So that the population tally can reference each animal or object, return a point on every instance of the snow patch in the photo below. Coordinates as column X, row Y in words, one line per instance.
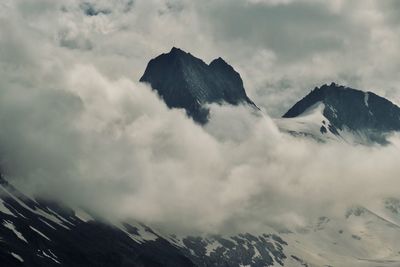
column 49, row 225
column 309, row 123
column 50, row 214
column 366, row 96
column 144, row 233
column 18, row 257
column 20, row 202
column 334, row 111
column 83, row 215
column 51, row 256
column 257, row 254
column 40, row 233
column 51, row 217
column 11, row 226
column 4, row 209
column 212, row 246
column 61, row 218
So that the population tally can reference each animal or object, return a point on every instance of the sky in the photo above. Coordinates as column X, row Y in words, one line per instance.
column 77, row 126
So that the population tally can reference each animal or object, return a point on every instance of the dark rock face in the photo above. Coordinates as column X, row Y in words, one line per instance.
column 40, row 233
column 352, row 109
column 184, row 81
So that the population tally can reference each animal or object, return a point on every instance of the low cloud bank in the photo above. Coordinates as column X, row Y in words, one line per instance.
column 113, row 146
column 75, row 128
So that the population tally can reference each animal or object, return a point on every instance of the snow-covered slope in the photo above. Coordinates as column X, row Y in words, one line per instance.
column 359, row 236
column 362, row 237
column 311, row 123
column 333, row 112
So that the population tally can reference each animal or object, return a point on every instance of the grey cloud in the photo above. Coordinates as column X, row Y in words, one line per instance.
column 292, row 31
column 391, row 9
column 74, row 42
column 91, row 10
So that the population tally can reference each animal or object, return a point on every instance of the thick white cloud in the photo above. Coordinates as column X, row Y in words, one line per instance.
column 76, row 124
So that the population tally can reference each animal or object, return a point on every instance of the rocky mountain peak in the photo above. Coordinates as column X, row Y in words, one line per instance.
column 351, row 109
column 184, row 81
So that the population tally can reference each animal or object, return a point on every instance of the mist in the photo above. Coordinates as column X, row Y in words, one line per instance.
column 77, row 127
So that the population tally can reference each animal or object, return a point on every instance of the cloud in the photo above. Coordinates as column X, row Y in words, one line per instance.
column 76, row 126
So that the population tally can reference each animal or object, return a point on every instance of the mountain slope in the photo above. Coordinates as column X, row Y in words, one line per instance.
column 363, row 114
column 40, row 233
column 184, row 81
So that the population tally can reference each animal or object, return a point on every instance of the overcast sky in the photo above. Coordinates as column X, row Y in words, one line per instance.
column 76, row 124
column 282, row 48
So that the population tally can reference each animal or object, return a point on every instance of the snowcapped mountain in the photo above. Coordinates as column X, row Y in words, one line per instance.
column 338, row 112
column 40, row 233
column 184, row 81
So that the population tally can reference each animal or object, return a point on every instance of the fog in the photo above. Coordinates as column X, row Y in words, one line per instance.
column 77, row 127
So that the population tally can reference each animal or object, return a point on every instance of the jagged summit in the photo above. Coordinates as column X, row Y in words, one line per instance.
column 184, row 81
column 219, row 61
column 177, row 52
column 176, row 49
column 350, row 109
column 317, row 94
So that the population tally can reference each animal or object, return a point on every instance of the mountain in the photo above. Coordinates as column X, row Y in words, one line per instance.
column 329, row 112
column 334, row 111
column 36, row 232
column 42, row 233
column 184, row 81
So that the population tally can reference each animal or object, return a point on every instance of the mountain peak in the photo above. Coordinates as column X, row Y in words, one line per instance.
column 219, row 61
column 324, row 93
column 331, row 87
column 177, row 51
column 350, row 109
column 220, row 64
column 185, row 81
